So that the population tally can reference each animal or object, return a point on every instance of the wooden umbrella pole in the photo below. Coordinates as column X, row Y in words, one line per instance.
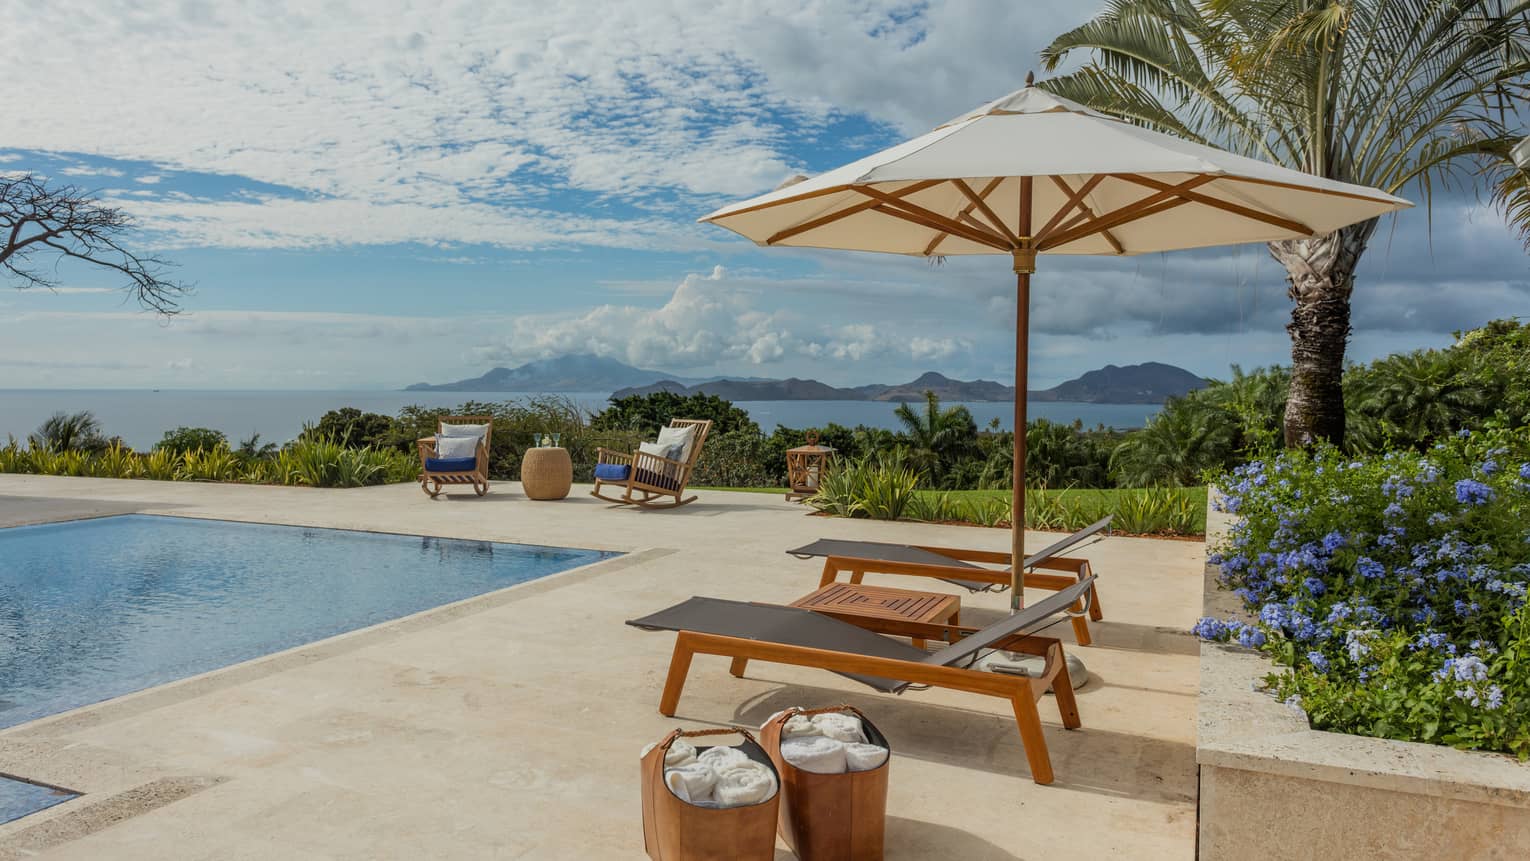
column 1025, row 264
column 1017, row 500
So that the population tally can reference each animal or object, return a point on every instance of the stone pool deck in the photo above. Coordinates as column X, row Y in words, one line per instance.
column 508, row 726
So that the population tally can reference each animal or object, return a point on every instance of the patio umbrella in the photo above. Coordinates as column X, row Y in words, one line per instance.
column 1033, row 174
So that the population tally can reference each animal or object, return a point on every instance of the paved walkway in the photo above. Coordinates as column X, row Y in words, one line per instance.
column 508, row 726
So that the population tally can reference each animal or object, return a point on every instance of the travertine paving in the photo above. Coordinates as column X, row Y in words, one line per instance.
column 508, row 726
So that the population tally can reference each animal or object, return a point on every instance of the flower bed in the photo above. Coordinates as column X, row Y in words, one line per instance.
column 1390, row 590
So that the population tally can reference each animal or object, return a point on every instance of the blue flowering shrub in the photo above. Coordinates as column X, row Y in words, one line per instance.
column 1389, row 589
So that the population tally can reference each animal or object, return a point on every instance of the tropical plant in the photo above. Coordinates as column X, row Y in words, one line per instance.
column 211, row 464
column 62, row 431
column 878, row 488
column 937, row 438
column 1176, row 446
column 184, row 439
column 936, row 507
column 253, row 449
column 161, row 464
column 1396, row 94
column 1411, row 399
column 116, row 461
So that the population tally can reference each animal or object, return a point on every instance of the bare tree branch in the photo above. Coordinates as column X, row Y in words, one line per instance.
column 66, row 222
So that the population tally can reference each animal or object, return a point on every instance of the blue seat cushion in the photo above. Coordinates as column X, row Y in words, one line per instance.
column 451, row 464
column 612, row 471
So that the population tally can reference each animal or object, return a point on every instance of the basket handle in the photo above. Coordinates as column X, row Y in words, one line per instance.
column 797, row 710
column 694, row 733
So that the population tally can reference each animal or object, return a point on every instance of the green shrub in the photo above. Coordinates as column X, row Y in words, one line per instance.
column 732, row 459
column 184, row 439
column 645, row 414
column 352, row 428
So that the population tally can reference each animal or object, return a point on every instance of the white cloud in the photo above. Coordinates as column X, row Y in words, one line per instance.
column 431, row 112
column 709, row 321
column 148, row 179
column 86, row 170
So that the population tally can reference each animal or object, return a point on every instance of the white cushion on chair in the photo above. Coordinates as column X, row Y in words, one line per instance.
column 475, row 431
column 456, row 446
column 680, row 438
column 659, row 449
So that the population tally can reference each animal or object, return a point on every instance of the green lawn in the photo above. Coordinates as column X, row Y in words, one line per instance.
column 1135, row 510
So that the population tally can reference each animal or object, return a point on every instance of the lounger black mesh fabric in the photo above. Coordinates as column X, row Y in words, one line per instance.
column 1029, row 620
column 890, row 552
column 792, row 626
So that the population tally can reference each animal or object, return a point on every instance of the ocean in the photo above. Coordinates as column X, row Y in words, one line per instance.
column 141, row 417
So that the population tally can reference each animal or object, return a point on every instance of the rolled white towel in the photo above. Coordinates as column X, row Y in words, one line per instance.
column 747, row 783
column 680, row 752
column 799, row 725
column 720, row 757
column 840, row 726
column 864, row 757
column 815, row 753
column 693, row 782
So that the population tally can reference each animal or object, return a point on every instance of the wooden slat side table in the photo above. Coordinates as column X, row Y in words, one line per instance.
column 883, row 602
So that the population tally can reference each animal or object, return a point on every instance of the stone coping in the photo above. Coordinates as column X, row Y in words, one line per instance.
column 1242, row 728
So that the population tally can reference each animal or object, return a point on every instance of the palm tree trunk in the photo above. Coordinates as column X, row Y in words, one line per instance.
column 1321, row 274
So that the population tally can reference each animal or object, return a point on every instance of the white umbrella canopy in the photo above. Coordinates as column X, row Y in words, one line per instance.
column 1032, row 174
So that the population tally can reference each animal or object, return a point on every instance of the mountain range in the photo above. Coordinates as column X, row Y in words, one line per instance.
column 1147, row 383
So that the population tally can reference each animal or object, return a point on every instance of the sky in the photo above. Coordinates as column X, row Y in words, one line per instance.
column 372, row 194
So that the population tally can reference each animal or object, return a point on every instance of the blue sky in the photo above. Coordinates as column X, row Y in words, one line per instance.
column 394, row 192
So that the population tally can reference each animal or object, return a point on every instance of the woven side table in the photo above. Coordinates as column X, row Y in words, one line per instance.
column 546, row 473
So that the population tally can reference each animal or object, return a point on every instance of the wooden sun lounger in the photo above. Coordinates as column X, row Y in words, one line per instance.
column 959, row 567
column 860, row 651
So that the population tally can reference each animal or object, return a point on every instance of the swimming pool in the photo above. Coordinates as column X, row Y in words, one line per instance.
column 93, row 609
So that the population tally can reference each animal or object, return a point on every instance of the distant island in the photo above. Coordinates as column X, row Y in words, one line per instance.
column 1147, row 383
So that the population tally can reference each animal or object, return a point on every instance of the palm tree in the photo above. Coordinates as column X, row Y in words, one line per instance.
column 1415, row 398
column 1396, row 94
column 1176, row 446
column 937, row 437
column 62, row 431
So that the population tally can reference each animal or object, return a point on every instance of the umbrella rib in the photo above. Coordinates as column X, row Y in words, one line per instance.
column 846, row 212
column 1128, row 213
column 987, row 190
column 1076, row 200
column 1236, row 209
column 934, row 220
column 952, row 228
column 982, row 205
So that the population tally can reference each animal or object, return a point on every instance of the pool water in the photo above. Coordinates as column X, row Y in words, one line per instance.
column 18, row 798
column 93, row 609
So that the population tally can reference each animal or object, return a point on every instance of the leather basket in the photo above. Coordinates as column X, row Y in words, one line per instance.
column 831, row 816
column 675, row 830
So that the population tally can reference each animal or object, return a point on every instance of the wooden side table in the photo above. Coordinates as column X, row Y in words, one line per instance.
column 546, row 473
column 883, row 602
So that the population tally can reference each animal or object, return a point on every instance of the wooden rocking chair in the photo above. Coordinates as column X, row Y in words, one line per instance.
column 436, row 472
column 650, row 476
